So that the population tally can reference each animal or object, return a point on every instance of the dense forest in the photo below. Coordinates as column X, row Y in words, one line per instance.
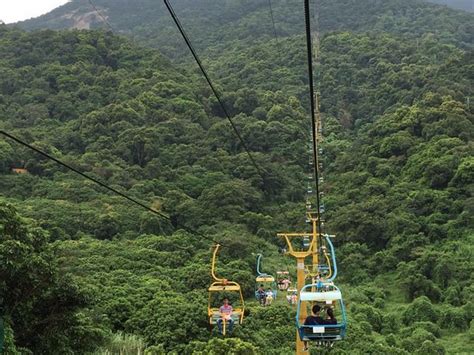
column 83, row 271
column 466, row 5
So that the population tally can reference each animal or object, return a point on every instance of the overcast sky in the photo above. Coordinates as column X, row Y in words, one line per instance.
column 17, row 10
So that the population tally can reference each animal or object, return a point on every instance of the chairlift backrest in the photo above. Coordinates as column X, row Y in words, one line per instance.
column 321, row 296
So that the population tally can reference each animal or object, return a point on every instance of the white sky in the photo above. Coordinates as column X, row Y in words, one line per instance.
column 17, row 10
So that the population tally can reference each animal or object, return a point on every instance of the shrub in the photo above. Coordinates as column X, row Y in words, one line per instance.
column 430, row 348
column 413, row 342
column 371, row 314
column 420, row 309
column 454, row 318
column 390, row 323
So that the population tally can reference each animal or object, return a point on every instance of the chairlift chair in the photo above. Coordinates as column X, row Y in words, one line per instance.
column 268, row 281
column 326, row 295
column 220, row 289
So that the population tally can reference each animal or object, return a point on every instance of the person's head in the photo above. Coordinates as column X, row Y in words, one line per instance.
column 261, row 285
column 330, row 313
column 269, row 289
column 225, row 301
column 316, row 309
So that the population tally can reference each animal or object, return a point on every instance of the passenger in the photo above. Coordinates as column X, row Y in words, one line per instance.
column 330, row 319
column 268, row 297
column 294, row 298
column 281, row 285
column 313, row 319
column 261, row 295
column 226, row 315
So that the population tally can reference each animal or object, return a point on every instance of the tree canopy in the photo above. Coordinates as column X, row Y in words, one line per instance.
column 84, row 271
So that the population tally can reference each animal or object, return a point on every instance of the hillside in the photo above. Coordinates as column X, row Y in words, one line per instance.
column 148, row 21
column 466, row 5
column 102, row 274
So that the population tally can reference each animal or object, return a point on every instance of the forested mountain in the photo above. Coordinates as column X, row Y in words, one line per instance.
column 467, row 5
column 148, row 21
column 101, row 274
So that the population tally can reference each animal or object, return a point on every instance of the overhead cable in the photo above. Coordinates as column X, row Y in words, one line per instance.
column 260, row 170
column 313, row 106
column 107, row 187
column 273, row 19
column 104, row 19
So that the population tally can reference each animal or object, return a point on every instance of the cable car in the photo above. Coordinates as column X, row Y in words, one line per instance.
column 266, row 282
column 219, row 290
column 284, row 280
column 327, row 295
column 292, row 296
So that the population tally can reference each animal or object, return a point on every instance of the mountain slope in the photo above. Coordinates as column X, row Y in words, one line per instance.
column 397, row 165
column 149, row 22
column 466, row 5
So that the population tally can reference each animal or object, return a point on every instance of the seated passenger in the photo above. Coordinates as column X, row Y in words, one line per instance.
column 314, row 318
column 226, row 315
column 294, row 298
column 283, row 284
column 261, row 295
column 268, row 297
column 330, row 319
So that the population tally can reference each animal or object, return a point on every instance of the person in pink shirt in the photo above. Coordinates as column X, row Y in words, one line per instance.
column 226, row 314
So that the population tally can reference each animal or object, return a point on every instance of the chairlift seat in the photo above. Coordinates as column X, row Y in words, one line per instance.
column 265, row 278
column 223, row 288
column 328, row 332
column 215, row 315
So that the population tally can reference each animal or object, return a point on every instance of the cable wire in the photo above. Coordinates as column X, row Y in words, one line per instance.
column 104, row 20
column 313, row 107
column 273, row 19
column 107, row 187
column 260, row 170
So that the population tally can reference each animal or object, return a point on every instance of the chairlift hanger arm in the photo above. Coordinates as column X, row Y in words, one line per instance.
column 213, row 265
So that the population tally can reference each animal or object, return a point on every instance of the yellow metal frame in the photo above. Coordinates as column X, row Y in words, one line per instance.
column 302, row 272
column 312, row 248
column 223, row 285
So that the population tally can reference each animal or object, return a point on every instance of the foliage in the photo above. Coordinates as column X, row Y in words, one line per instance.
column 101, row 275
column 43, row 307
